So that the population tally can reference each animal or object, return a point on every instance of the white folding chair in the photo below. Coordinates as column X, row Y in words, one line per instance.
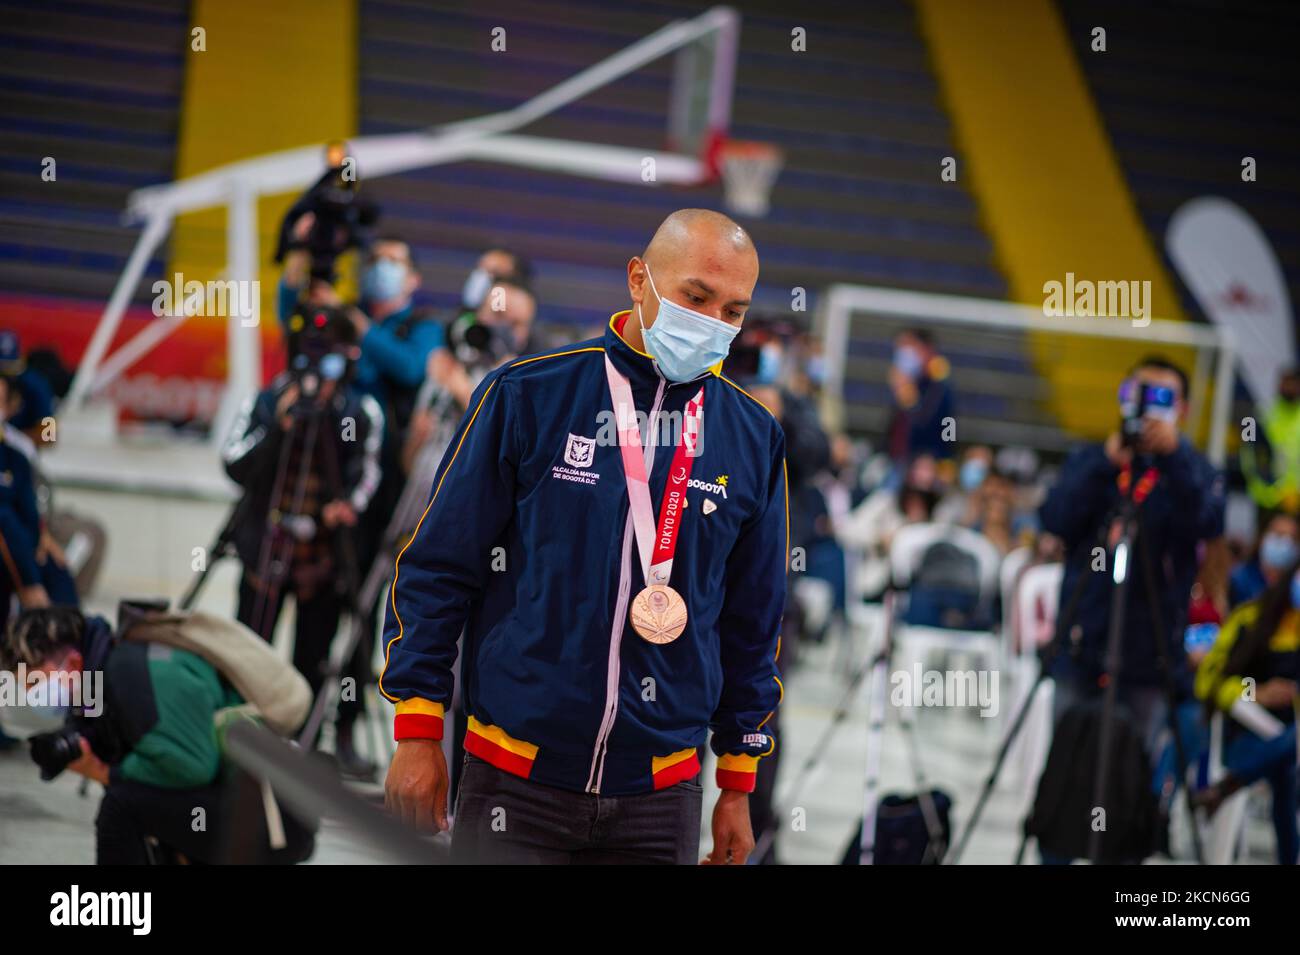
column 1226, row 831
column 915, row 642
column 1033, row 615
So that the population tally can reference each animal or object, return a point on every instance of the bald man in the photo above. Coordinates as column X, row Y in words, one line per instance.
column 609, row 530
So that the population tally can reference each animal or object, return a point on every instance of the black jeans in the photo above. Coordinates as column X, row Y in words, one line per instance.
column 315, row 624
column 131, row 811
column 503, row 819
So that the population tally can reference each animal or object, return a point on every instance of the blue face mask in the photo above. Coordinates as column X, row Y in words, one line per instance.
column 383, row 281
column 1295, row 591
column 1277, row 551
column 972, row 474
column 684, row 344
column 43, row 710
column 908, row 361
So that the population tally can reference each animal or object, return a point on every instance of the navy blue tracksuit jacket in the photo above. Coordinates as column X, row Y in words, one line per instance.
column 1185, row 507
column 527, row 545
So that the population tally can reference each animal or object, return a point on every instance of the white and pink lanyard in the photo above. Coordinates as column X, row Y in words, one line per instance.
column 656, row 550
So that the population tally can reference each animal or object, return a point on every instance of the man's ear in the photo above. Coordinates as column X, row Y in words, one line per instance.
column 636, row 281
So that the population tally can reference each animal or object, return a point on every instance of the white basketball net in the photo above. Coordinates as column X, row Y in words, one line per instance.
column 749, row 171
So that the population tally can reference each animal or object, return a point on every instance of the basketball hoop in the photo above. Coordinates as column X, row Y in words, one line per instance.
column 748, row 169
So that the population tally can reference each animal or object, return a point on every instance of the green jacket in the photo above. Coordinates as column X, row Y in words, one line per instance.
column 162, row 702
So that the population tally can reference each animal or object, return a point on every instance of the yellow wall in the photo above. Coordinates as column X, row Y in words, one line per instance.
column 1047, row 182
column 276, row 74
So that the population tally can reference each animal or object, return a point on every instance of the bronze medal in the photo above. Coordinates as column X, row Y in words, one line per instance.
column 659, row 614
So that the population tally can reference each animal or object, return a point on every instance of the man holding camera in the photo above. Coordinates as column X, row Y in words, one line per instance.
column 139, row 718
column 1179, row 500
column 306, row 452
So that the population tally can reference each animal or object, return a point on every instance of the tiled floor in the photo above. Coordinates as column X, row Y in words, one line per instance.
column 151, row 542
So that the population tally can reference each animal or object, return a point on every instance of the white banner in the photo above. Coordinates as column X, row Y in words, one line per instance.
column 1226, row 260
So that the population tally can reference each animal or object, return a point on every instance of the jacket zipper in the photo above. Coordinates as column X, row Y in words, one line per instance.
column 620, row 608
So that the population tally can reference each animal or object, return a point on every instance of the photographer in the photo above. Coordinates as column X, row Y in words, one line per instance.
column 495, row 263
column 394, row 336
column 306, row 452
column 142, row 725
column 1180, row 499
column 395, row 341
column 499, row 330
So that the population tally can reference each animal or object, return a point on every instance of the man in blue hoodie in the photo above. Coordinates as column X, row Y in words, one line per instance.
column 1180, row 499
column 609, row 529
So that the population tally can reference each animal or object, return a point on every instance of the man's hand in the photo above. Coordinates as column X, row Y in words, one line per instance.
column 903, row 387
column 1116, row 452
column 450, row 375
column 338, row 512
column 49, row 547
column 302, row 228
column 360, row 321
column 33, row 596
column 733, row 835
column 90, row 765
column 287, row 401
column 1275, row 694
column 416, row 787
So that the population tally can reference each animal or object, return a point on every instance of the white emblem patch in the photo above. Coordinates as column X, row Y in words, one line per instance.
column 580, row 451
column 709, row 506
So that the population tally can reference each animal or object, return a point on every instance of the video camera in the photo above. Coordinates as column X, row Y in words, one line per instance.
column 477, row 344
column 322, row 346
column 342, row 216
column 1138, row 401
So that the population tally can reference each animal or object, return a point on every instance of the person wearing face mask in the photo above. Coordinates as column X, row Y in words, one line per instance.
column 139, row 718
column 609, row 531
column 1150, row 463
column 918, row 379
column 1256, row 657
column 395, row 336
column 1273, row 477
column 396, row 339
column 958, row 505
column 495, row 263
column 1277, row 549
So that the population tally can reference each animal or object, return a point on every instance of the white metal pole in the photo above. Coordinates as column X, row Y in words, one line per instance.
column 1225, row 383
column 154, row 231
column 726, row 48
column 834, row 321
column 243, row 331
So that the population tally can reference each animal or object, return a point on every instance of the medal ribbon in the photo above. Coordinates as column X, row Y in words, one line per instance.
column 657, row 549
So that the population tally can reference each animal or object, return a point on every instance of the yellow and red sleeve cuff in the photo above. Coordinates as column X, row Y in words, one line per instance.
column 737, row 772
column 418, row 719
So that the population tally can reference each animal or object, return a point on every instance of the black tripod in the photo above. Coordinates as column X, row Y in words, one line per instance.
column 875, row 667
column 406, row 515
column 275, row 556
column 1127, row 513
